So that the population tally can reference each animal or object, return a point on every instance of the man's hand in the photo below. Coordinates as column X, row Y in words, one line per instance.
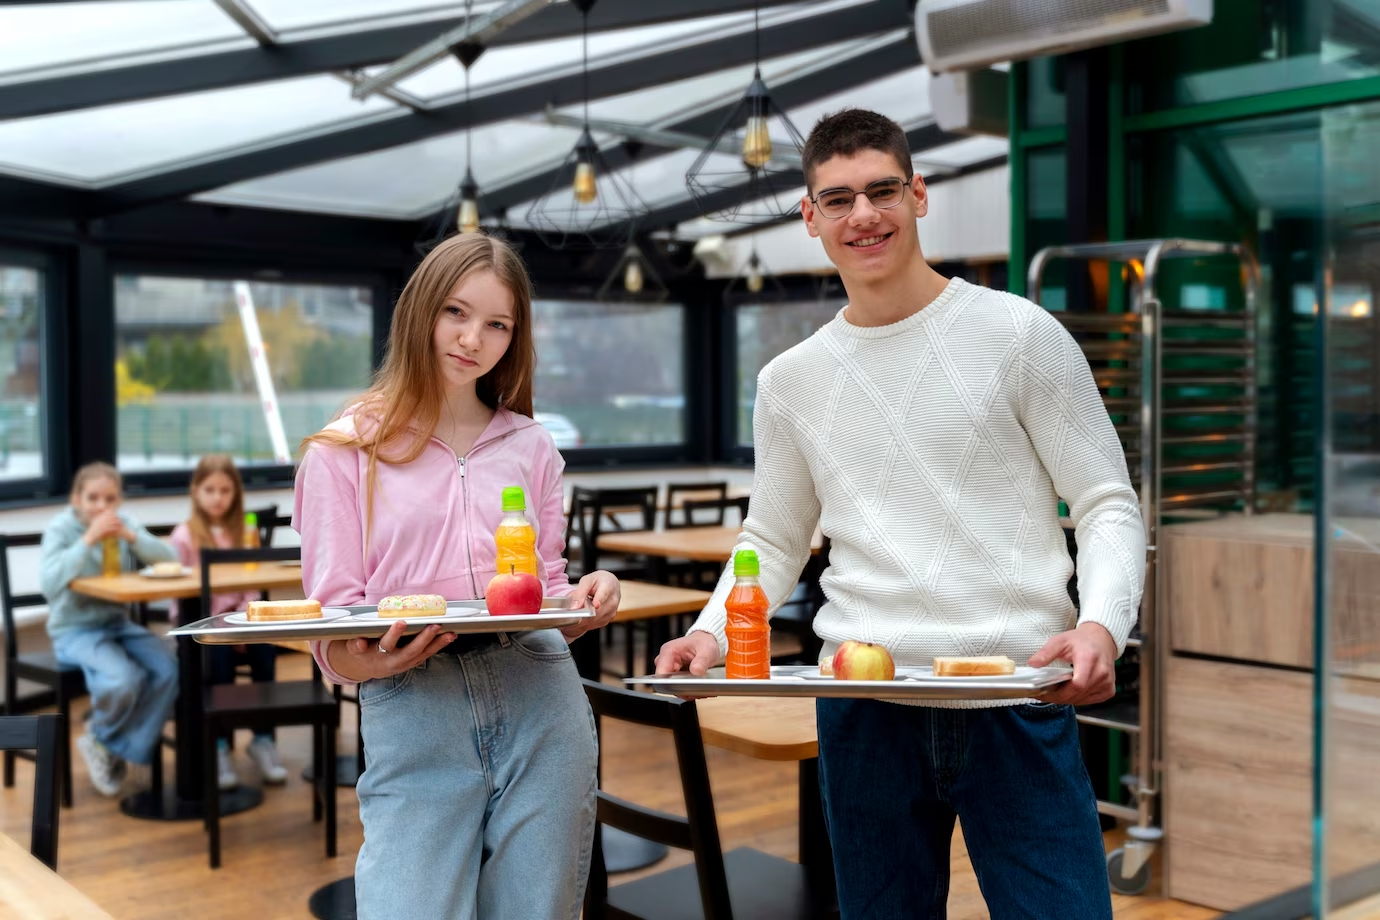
column 1092, row 651
column 696, row 652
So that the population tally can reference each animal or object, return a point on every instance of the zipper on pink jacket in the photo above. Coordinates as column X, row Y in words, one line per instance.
column 465, row 510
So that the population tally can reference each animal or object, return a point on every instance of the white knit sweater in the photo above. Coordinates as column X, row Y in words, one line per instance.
column 932, row 453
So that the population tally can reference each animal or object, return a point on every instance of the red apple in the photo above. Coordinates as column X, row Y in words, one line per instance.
column 863, row 661
column 511, row 593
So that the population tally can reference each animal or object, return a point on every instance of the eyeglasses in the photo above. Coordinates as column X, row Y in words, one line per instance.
column 834, row 203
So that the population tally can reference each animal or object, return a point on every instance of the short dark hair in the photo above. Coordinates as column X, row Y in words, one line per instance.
column 846, row 132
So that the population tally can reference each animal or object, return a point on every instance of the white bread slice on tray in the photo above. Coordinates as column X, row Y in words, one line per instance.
column 992, row 665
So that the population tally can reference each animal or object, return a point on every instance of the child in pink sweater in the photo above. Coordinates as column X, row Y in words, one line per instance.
column 217, row 522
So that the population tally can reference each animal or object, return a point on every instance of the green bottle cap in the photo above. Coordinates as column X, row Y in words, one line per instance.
column 251, row 519
column 745, row 563
column 513, row 499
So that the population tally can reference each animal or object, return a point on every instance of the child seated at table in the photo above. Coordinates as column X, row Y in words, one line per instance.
column 217, row 522
column 130, row 673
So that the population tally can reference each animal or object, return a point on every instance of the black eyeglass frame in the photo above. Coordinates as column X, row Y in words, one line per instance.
column 854, row 193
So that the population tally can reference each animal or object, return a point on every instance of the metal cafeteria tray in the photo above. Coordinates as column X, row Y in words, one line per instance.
column 910, row 684
column 364, row 621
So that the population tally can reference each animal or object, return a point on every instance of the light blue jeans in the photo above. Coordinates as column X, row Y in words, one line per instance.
column 478, row 793
column 132, row 678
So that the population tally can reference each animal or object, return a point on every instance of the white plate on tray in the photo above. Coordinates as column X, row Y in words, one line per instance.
column 242, row 619
column 910, row 683
column 454, row 614
column 149, row 572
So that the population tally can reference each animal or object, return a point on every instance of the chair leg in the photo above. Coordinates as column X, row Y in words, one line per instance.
column 156, row 771
column 328, row 733
column 319, row 770
column 212, row 792
column 11, row 688
column 64, row 706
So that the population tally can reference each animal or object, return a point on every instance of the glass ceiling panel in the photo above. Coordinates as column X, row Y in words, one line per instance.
column 961, row 153
column 287, row 16
column 407, row 181
column 118, row 142
column 39, row 39
column 514, row 65
column 904, row 97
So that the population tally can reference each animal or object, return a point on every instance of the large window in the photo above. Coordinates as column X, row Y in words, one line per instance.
column 184, row 381
column 610, row 375
column 765, row 331
column 21, row 378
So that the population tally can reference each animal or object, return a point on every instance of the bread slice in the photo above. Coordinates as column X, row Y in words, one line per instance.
column 971, row 667
column 271, row 611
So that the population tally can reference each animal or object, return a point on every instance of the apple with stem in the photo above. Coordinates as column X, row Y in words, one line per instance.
column 512, row 593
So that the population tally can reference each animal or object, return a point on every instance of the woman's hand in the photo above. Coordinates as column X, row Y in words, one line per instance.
column 602, row 591
column 369, row 659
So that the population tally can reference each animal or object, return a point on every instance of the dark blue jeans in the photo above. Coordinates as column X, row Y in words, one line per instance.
column 894, row 778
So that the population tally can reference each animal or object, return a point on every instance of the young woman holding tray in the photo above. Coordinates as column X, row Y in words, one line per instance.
column 478, row 796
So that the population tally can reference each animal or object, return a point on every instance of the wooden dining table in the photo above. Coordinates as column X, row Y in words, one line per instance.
column 183, row 802
column 782, row 729
column 31, row 890
column 699, row 544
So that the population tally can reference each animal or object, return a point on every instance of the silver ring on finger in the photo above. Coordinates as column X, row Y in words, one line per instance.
column 384, row 650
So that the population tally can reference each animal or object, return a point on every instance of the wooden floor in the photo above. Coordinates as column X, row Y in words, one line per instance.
column 273, row 855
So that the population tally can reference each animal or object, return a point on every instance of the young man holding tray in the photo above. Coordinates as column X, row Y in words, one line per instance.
column 929, row 431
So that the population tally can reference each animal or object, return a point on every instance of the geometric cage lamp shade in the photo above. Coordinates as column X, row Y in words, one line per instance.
column 743, row 175
column 588, row 205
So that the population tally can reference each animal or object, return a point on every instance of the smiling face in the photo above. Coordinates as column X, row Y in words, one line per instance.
column 474, row 328
column 869, row 244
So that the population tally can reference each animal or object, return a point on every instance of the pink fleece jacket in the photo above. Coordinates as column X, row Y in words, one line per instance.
column 190, row 555
column 434, row 518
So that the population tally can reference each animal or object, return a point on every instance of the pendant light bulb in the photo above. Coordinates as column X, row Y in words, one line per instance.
column 756, row 142
column 468, row 218
column 585, row 188
column 755, row 281
column 632, row 277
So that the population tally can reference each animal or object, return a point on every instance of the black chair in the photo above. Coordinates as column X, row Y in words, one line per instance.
column 711, row 512
column 65, row 683
column 746, row 883
column 596, row 511
column 43, row 736
column 265, row 706
column 679, row 495
column 269, row 520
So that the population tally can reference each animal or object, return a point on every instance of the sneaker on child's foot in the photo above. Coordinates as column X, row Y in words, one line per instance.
column 264, row 753
column 105, row 767
column 226, row 777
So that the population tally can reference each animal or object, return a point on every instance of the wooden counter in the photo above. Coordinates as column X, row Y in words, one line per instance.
column 31, row 890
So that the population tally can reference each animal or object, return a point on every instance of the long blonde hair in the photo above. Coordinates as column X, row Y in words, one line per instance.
column 399, row 412
column 200, row 523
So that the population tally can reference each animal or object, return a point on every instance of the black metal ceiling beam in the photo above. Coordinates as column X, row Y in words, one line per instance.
column 788, row 94
column 938, row 179
column 320, row 55
column 610, row 80
column 921, row 138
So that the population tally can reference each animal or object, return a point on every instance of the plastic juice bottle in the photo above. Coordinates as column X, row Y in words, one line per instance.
column 749, row 634
column 515, row 538
column 110, row 556
column 250, row 539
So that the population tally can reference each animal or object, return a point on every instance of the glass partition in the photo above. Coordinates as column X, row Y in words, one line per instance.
column 1347, row 829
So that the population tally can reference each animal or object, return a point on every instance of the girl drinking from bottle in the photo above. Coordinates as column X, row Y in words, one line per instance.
column 478, row 795
column 130, row 674
column 218, row 522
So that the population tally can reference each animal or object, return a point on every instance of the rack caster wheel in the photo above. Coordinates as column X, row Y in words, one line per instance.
column 1134, row 885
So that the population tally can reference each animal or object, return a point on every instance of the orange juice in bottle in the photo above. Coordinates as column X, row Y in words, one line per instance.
column 250, row 538
column 749, row 634
column 515, row 538
column 110, row 557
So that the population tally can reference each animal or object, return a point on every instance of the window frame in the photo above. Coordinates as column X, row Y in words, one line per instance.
column 54, row 390
column 258, row 476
